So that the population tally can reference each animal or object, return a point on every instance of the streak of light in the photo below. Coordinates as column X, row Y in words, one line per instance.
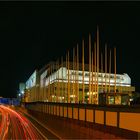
column 21, row 127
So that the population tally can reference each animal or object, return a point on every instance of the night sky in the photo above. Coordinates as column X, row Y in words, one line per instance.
column 34, row 33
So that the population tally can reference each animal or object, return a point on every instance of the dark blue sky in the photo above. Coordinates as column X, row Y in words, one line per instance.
column 34, row 33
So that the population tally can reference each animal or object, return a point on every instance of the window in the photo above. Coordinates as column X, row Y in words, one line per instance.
column 86, row 74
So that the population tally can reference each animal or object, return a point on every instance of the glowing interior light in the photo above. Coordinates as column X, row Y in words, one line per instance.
column 91, row 93
column 72, row 96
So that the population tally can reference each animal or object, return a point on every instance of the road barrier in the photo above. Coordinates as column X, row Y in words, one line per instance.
column 120, row 117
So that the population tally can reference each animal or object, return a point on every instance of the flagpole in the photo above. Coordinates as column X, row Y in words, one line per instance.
column 89, row 69
column 97, row 64
column 83, row 87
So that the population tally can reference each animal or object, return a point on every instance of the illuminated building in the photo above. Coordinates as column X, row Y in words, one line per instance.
column 77, row 82
column 53, row 83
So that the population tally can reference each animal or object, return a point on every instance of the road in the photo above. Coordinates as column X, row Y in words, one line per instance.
column 14, row 125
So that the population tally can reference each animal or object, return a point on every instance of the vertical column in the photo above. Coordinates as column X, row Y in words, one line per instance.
column 114, row 72
column 68, row 80
column 46, row 89
column 50, row 81
column 92, row 78
column 73, row 77
column 106, row 86
column 97, row 64
column 62, row 88
column 95, row 75
column 55, row 97
column 109, row 69
column 89, row 69
column 43, row 90
column 102, row 70
column 58, row 95
column 49, row 69
column 83, row 74
column 77, row 75
column 54, row 83
column 105, row 68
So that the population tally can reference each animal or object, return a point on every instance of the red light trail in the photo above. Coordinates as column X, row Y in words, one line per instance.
column 16, row 126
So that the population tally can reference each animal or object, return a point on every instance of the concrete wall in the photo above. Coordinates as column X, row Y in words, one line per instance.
column 124, row 117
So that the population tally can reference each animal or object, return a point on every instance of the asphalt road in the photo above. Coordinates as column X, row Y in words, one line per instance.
column 48, row 133
column 14, row 125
